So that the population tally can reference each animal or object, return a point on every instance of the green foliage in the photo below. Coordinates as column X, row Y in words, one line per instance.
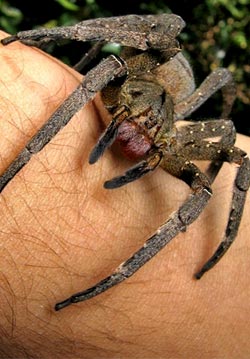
column 10, row 17
column 221, row 37
column 68, row 5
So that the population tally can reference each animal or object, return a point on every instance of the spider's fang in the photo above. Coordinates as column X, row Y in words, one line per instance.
column 131, row 175
column 109, row 136
column 135, row 172
column 104, row 142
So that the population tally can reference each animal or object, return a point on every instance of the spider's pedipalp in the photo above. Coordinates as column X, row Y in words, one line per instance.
column 135, row 172
column 109, row 135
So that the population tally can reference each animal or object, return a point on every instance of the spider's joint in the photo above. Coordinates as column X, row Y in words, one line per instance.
column 158, row 232
column 119, row 60
column 188, row 163
column 208, row 191
column 120, row 268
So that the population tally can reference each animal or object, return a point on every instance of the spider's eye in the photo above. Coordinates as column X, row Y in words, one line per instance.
column 136, row 93
column 157, row 28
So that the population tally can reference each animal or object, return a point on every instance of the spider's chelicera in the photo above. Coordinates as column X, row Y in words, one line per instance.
column 147, row 89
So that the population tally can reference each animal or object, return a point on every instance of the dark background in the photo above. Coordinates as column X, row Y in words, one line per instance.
column 217, row 34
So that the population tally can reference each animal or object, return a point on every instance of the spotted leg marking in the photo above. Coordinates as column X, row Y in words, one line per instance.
column 219, row 79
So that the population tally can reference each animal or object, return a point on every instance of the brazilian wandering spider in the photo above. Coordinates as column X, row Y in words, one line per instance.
column 146, row 90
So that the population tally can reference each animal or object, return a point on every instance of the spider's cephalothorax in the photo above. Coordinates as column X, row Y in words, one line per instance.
column 147, row 89
column 143, row 112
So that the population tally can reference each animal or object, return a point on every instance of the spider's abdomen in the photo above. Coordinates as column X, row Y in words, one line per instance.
column 134, row 144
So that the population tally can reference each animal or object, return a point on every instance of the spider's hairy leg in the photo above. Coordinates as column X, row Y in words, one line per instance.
column 219, row 79
column 141, row 32
column 241, row 186
column 135, row 172
column 190, row 136
column 109, row 135
column 177, row 222
column 93, row 82
column 219, row 152
column 89, row 56
column 197, row 131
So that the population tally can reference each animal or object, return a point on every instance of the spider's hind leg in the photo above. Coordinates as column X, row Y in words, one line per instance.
column 241, row 185
column 89, row 56
column 194, row 146
column 219, row 79
column 176, row 223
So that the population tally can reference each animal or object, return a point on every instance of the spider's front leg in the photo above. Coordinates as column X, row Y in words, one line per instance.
column 177, row 222
column 93, row 82
column 141, row 32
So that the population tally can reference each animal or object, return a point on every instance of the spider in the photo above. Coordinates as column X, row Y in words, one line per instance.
column 147, row 90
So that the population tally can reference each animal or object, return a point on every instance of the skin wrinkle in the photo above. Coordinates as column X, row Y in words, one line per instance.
column 161, row 296
column 11, row 305
column 57, row 333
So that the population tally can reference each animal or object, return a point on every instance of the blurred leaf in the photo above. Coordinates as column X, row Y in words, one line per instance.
column 67, row 4
column 10, row 17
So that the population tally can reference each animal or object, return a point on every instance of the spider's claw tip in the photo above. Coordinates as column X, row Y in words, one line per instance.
column 116, row 182
column 91, row 162
column 9, row 39
column 92, row 158
column 63, row 304
column 95, row 154
column 108, row 185
column 198, row 275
